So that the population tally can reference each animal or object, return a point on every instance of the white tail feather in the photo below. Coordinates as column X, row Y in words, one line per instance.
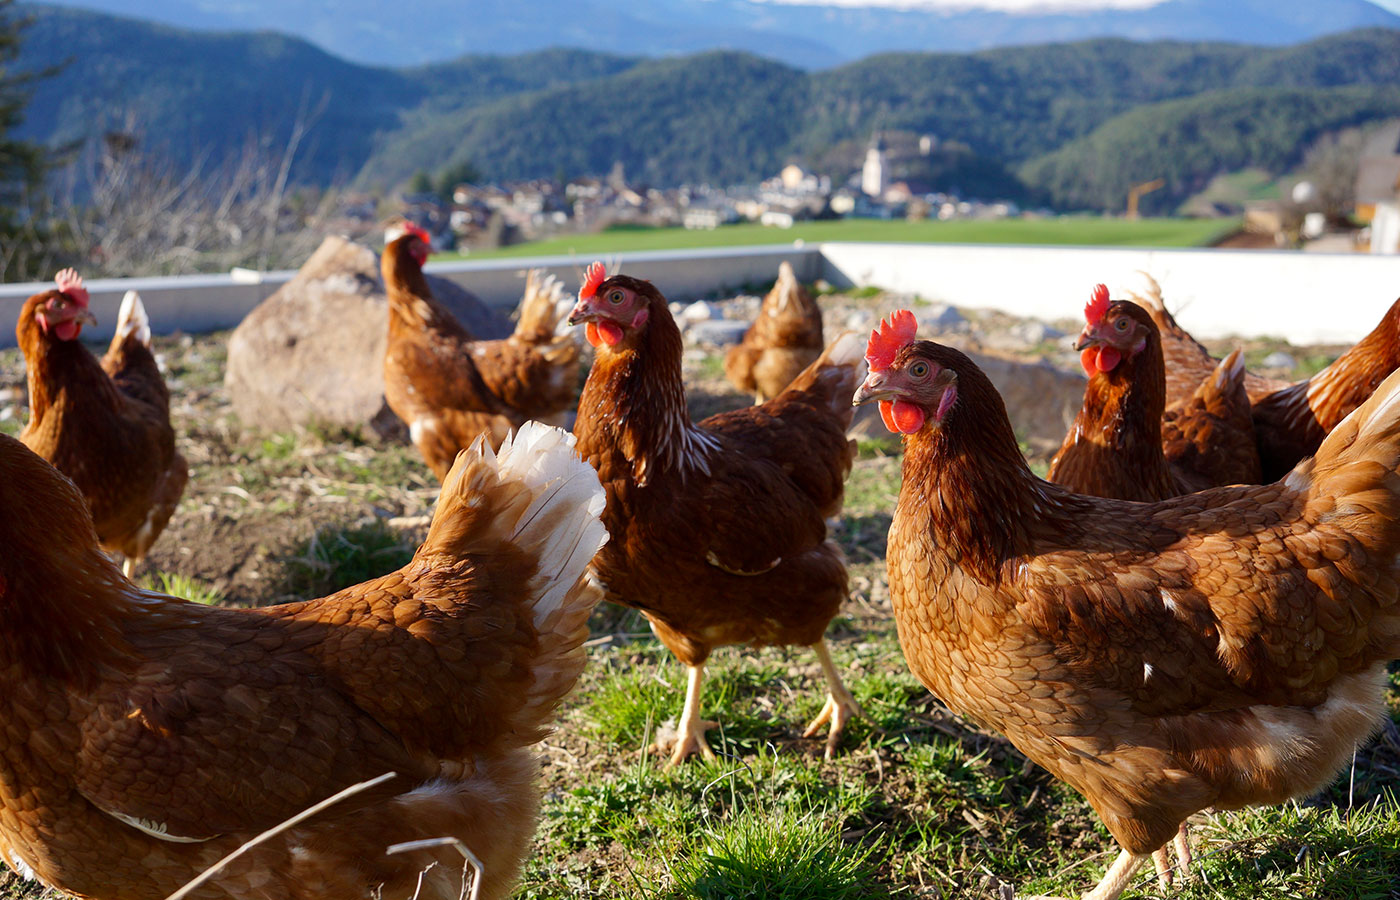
column 847, row 349
column 132, row 319
column 564, row 519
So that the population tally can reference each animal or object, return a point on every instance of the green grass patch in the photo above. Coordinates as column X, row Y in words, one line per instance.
column 757, row 855
column 338, row 557
column 184, row 586
column 1066, row 230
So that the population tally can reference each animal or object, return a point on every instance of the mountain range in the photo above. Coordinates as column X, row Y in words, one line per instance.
column 809, row 35
column 1071, row 124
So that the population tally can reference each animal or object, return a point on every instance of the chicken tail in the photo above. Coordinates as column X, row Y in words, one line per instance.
column 132, row 321
column 835, row 374
column 544, row 308
column 534, row 506
column 1357, row 459
column 787, row 288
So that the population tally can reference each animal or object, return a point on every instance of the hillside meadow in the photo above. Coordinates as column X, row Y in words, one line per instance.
column 1064, row 230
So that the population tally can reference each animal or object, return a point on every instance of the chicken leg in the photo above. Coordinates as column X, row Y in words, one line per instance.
column 690, row 732
column 1113, row 881
column 1181, row 845
column 841, row 705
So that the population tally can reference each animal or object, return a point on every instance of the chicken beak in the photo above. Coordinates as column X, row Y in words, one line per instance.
column 86, row 317
column 581, row 313
column 1087, row 338
column 874, row 387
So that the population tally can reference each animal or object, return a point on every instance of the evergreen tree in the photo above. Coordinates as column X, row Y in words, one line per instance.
column 25, row 242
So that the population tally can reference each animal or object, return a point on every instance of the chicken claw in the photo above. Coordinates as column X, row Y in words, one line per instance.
column 841, row 705
column 690, row 732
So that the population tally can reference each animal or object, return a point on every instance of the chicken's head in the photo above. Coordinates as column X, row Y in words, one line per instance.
column 615, row 309
column 1112, row 331
column 65, row 310
column 914, row 382
column 420, row 243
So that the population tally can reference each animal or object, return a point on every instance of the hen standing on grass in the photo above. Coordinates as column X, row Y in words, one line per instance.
column 1220, row 649
column 1290, row 419
column 1125, row 443
column 143, row 737
column 450, row 388
column 783, row 340
column 105, row 425
column 718, row 529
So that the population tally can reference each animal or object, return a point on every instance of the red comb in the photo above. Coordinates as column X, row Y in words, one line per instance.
column 595, row 276
column 71, row 283
column 418, row 232
column 1097, row 306
column 886, row 340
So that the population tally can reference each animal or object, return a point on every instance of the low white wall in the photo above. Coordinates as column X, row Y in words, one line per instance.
column 199, row 303
column 1303, row 297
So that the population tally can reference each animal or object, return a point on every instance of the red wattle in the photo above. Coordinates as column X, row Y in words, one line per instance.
column 590, row 331
column 610, row 332
column 887, row 415
column 901, row 416
column 66, row 331
column 1099, row 359
column 908, row 417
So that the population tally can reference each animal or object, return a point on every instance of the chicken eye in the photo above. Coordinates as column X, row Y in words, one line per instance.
column 616, row 296
column 919, row 369
column 1121, row 325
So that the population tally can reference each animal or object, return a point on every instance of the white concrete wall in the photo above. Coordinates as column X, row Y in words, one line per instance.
column 198, row 303
column 1306, row 298
column 1303, row 297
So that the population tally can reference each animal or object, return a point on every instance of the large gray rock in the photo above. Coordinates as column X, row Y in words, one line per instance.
column 313, row 353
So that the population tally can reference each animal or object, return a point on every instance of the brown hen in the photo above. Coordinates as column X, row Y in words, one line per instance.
column 718, row 530
column 106, row 425
column 450, row 388
column 783, row 340
column 145, row 737
column 1290, row 419
column 1220, row 649
column 1124, row 442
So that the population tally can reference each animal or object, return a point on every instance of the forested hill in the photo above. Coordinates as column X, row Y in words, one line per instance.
column 722, row 117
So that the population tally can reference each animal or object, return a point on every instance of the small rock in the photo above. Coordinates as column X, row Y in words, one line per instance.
column 942, row 317
column 1279, row 360
column 700, row 311
column 7, row 414
column 676, row 309
column 720, row 333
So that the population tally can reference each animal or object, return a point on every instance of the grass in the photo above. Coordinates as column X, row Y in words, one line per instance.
column 758, row 855
column 1064, row 230
column 337, row 557
column 177, row 585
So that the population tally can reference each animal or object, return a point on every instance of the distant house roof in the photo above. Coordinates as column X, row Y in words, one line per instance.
column 1378, row 173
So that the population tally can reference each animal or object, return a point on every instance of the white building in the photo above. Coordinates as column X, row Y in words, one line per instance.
column 873, row 177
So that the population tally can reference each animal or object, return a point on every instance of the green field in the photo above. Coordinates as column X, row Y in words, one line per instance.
column 1069, row 231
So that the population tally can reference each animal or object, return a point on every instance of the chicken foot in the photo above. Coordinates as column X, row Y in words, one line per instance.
column 1114, row 881
column 690, row 732
column 841, row 705
column 1182, row 847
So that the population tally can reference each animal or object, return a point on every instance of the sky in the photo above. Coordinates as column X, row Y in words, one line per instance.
column 1018, row 5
